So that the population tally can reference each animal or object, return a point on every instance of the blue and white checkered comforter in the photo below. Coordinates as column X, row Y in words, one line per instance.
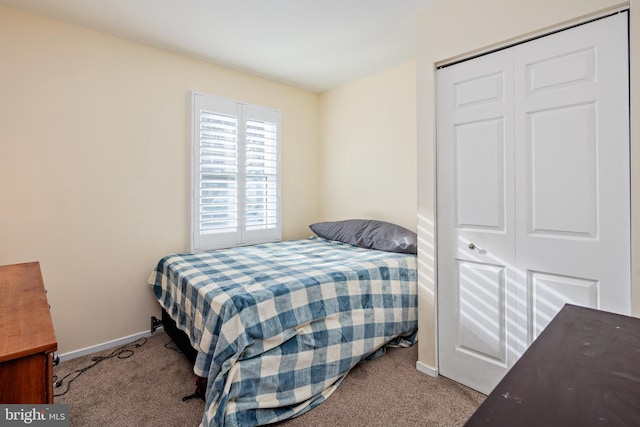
column 277, row 326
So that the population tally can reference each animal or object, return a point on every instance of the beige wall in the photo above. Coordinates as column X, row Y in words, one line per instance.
column 458, row 28
column 94, row 162
column 368, row 148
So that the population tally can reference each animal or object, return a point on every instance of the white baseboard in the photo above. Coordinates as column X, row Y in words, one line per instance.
column 421, row 367
column 107, row 345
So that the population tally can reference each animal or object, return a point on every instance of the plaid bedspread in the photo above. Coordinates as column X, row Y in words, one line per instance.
column 277, row 326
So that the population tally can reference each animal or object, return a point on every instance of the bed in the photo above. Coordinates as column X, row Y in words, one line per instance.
column 277, row 326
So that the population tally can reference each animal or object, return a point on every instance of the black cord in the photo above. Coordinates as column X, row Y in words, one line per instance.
column 173, row 347
column 122, row 352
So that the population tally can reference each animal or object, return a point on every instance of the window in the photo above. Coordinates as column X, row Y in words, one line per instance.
column 235, row 173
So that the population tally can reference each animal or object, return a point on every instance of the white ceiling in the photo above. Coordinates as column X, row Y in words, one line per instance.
column 312, row 44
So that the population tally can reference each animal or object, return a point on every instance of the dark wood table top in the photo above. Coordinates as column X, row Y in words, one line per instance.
column 582, row 370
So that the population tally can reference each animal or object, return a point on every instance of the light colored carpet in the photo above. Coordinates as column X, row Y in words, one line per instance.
column 145, row 388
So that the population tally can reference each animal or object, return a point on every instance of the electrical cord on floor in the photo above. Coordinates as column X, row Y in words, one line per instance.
column 172, row 346
column 122, row 352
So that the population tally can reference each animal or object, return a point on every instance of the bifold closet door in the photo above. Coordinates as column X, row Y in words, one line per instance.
column 477, row 296
column 533, row 198
column 572, row 170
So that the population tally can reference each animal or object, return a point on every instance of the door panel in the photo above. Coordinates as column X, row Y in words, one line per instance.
column 479, row 153
column 479, row 91
column 561, row 157
column 549, row 292
column 533, row 197
column 572, row 158
column 474, row 179
column 565, row 70
column 481, row 321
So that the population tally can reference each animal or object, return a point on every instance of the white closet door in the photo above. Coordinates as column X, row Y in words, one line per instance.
column 533, row 194
column 572, row 170
column 475, row 207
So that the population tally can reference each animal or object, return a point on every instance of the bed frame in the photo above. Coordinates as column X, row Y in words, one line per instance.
column 178, row 337
column 181, row 340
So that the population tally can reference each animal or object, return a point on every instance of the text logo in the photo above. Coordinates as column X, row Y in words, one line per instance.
column 55, row 415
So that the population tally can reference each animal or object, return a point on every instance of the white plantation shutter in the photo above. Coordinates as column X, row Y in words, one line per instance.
column 235, row 173
column 218, row 173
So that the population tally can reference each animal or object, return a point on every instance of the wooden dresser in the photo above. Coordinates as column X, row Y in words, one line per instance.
column 27, row 339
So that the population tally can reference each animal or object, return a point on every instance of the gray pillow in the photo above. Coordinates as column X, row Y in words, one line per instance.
column 369, row 233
